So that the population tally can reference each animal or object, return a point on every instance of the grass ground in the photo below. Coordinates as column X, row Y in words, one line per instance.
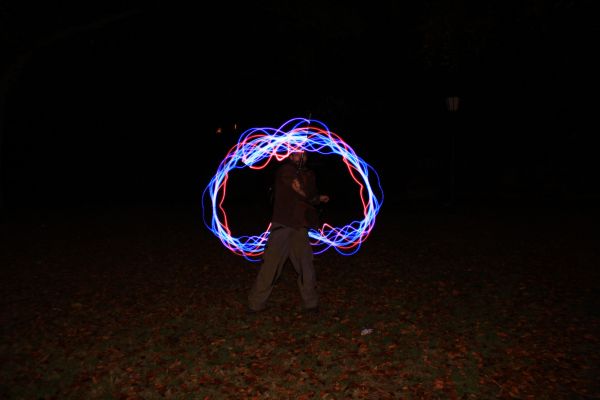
column 142, row 303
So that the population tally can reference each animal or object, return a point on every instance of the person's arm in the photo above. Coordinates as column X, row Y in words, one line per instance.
column 313, row 200
column 297, row 187
column 289, row 180
column 314, row 197
column 293, row 182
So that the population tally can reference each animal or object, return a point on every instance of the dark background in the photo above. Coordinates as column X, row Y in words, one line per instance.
column 122, row 103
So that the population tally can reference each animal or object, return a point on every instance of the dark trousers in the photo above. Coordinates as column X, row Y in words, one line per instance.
column 283, row 243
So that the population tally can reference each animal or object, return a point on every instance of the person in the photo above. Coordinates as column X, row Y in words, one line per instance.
column 294, row 212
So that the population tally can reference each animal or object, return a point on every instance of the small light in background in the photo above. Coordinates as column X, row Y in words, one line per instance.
column 227, row 129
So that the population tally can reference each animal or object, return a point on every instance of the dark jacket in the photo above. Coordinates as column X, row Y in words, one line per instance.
column 290, row 208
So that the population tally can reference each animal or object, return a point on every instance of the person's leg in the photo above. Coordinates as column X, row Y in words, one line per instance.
column 276, row 253
column 301, row 255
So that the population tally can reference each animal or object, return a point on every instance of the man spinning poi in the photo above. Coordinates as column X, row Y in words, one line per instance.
column 294, row 213
column 295, row 231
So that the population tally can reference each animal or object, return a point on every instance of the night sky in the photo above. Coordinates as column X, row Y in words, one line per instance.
column 122, row 103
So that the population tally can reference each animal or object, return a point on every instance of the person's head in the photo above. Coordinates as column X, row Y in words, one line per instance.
column 298, row 157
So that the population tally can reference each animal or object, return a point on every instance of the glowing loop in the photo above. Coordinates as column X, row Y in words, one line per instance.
column 256, row 148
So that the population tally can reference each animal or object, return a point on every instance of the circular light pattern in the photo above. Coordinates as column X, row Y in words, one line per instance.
column 256, row 148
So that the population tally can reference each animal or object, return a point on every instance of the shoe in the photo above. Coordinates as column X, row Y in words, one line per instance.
column 311, row 310
column 251, row 311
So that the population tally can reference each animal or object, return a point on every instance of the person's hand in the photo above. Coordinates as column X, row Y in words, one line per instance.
column 323, row 198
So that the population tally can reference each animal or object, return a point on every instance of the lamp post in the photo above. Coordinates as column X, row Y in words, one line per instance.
column 452, row 105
